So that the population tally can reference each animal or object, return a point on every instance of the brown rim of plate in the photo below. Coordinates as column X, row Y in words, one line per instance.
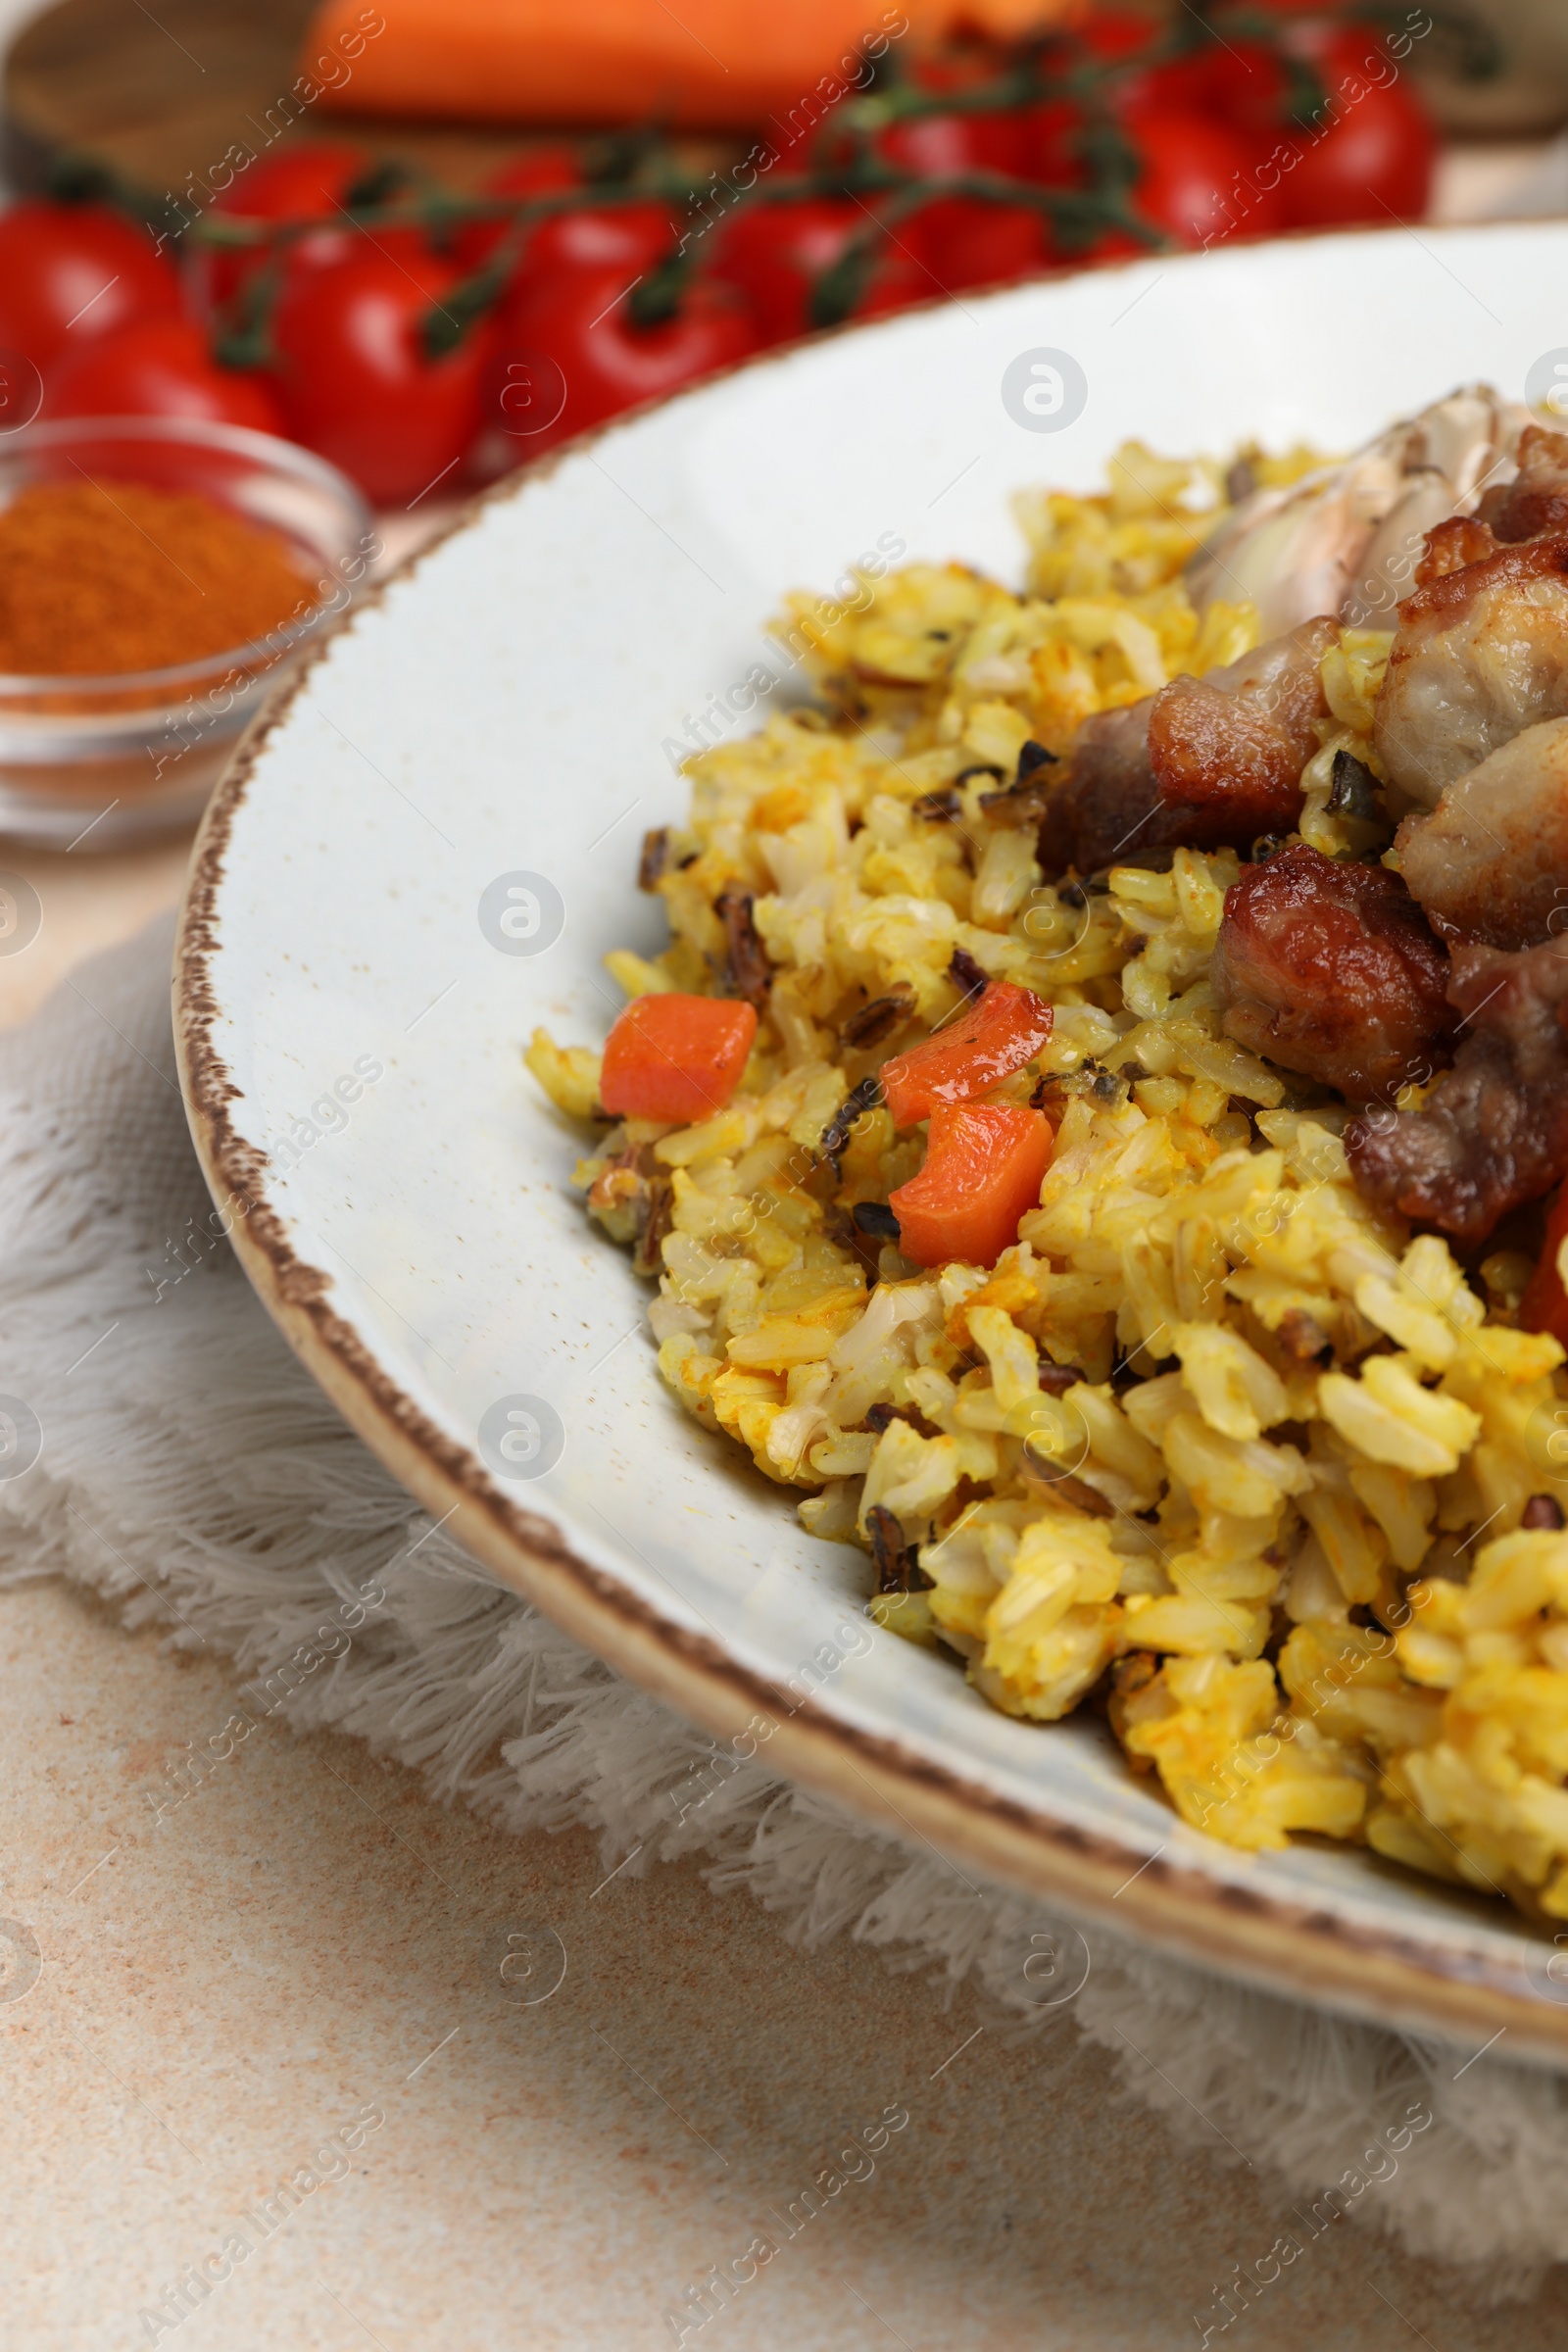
column 1281, row 1946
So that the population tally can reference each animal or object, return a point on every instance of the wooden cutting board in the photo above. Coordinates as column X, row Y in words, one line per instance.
column 155, row 98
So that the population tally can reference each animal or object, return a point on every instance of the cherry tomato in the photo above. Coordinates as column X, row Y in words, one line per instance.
column 964, row 240
column 542, row 172
column 630, row 237
column 1114, row 38
column 1141, row 99
column 159, row 368
column 1250, row 84
column 355, row 382
column 899, row 276
column 73, row 272
column 307, row 178
column 968, row 242
column 567, row 354
column 1049, row 144
column 1371, row 153
column 1196, row 184
column 1375, row 157
column 941, row 146
column 1248, row 87
column 774, row 253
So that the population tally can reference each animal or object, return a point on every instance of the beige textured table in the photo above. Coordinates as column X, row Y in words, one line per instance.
column 308, row 1938
column 309, row 1941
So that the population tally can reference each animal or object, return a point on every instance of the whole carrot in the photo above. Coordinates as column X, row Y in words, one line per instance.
column 713, row 64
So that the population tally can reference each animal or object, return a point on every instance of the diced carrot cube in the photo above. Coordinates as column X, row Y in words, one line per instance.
column 1003, row 1030
column 983, row 1168
column 676, row 1058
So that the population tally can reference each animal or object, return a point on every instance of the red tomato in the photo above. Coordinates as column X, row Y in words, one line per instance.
column 1191, row 158
column 943, row 145
column 1196, row 184
column 73, row 272
column 633, row 237
column 1375, row 155
column 1248, row 84
column 964, row 240
column 1372, row 153
column 569, row 339
column 303, row 179
column 967, row 242
column 542, row 172
column 773, row 254
column 355, row 382
column 1114, row 38
column 1050, row 144
column 899, row 276
column 159, row 368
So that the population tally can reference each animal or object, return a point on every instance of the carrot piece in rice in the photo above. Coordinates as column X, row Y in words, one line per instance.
column 676, row 1058
column 997, row 1036
column 983, row 1166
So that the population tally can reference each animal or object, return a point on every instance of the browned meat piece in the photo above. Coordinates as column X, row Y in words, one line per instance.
column 1231, row 746
column 1494, row 1132
column 1110, row 799
column 1460, row 541
column 1330, row 969
column 1205, row 761
column 1493, row 859
column 1537, row 499
column 1480, row 654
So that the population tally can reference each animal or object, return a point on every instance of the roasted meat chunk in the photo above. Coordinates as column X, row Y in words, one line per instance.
column 1109, row 801
column 1460, row 541
column 1208, row 762
column 1330, row 968
column 1479, row 654
column 1491, row 860
column 1536, row 501
column 1494, row 1132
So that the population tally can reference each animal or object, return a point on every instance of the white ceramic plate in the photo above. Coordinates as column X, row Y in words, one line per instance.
column 501, row 711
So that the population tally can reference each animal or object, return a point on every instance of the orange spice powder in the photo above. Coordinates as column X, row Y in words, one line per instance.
column 103, row 577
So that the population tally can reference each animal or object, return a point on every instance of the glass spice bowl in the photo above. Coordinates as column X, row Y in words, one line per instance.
column 94, row 761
